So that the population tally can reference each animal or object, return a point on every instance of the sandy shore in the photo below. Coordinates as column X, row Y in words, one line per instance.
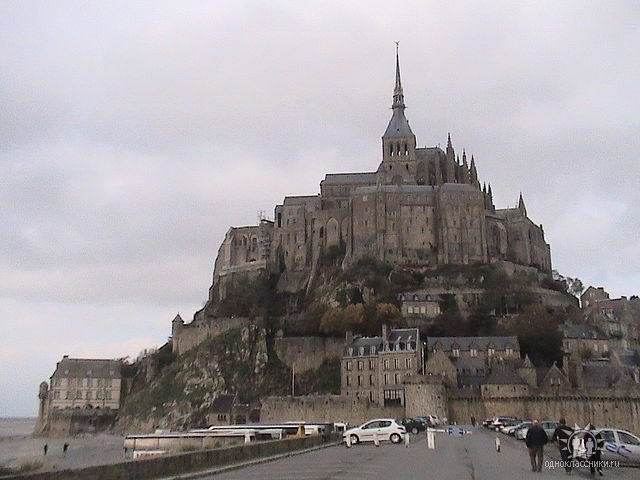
column 82, row 452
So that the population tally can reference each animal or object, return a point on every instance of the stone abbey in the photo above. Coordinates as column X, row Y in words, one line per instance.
column 422, row 207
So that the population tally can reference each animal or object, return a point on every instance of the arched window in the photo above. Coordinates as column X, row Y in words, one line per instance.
column 406, row 150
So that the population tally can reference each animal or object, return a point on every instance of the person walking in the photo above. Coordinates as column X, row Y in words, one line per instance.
column 46, row 448
column 65, row 447
column 535, row 440
column 560, row 435
column 595, row 460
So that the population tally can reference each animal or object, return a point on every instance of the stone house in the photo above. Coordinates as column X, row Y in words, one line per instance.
column 619, row 318
column 376, row 367
column 85, row 383
column 420, row 305
column 488, row 349
column 584, row 340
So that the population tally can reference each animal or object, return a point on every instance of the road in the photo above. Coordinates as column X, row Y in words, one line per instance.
column 471, row 457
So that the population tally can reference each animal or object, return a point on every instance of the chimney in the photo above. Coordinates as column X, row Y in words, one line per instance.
column 385, row 337
column 348, row 337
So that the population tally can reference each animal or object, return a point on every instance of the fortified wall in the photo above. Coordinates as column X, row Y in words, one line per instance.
column 186, row 336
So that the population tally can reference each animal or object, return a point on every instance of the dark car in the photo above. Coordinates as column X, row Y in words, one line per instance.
column 413, row 425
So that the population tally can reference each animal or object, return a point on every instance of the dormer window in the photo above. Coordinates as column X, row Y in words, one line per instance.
column 456, row 352
column 509, row 351
column 491, row 351
column 473, row 352
column 361, row 350
column 350, row 351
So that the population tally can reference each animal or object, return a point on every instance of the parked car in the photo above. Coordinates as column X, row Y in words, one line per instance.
column 384, row 428
column 496, row 422
column 507, row 424
column 549, row 426
column 515, row 429
column 620, row 445
column 520, row 433
column 414, row 425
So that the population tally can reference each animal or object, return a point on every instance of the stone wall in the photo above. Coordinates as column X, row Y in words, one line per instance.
column 167, row 465
column 611, row 411
column 77, row 421
column 325, row 408
column 308, row 353
column 425, row 399
column 187, row 336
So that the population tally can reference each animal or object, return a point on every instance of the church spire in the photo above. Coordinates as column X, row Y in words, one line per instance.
column 398, row 125
column 398, row 95
column 521, row 206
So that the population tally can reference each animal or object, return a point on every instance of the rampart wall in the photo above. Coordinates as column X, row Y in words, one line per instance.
column 190, row 335
column 325, row 408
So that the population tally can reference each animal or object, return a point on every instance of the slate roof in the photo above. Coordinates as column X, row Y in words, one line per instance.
column 598, row 374
column 398, row 125
column 404, row 335
column 581, row 331
column 628, row 358
column 500, row 343
column 503, row 376
column 223, row 404
column 362, row 177
column 299, row 200
column 419, row 297
column 470, row 363
column 428, row 152
column 87, row 367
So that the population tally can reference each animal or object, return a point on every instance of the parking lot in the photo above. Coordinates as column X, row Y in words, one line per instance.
column 469, row 457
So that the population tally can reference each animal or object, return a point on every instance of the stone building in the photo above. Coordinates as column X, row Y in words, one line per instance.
column 619, row 318
column 584, row 340
column 419, row 305
column 487, row 349
column 83, row 396
column 422, row 206
column 375, row 368
column 85, row 383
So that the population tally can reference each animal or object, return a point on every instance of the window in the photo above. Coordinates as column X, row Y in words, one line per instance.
column 386, row 379
column 456, row 352
column 372, row 364
column 491, row 351
column 386, row 364
column 361, row 350
column 410, row 310
column 370, row 379
column 407, row 362
column 349, row 365
column 423, row 309
column 627, row 439
column 509, row 351
column 396, row 378
column 474, row 352
column 360, row 365
column 396, row 363
column 359, row 380
column 348, row 380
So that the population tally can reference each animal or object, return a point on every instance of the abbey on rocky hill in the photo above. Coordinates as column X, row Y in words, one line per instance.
column 421, row 207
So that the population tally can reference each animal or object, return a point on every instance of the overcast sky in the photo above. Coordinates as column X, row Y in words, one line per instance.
column 133, row 134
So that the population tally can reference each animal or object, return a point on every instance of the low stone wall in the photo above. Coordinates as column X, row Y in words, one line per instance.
column 167, row 465
column 77, row 421
column 325, row 408
column 190, row 335
column 308, row 353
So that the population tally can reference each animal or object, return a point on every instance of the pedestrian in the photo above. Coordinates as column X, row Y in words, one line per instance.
column 535, row 441
column 46, row 448
column 560, row 435
column 473, row 420
column 595, row 464
column 65, row 447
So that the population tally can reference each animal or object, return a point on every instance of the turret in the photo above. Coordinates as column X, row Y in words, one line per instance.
column 521, row 205
column 451, row 160
column 474, row 173
column 465, row 168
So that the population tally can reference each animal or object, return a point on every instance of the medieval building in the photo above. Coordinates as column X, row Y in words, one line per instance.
column 423, row 206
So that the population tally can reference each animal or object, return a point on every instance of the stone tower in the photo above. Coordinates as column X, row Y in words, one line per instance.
column 398, row 142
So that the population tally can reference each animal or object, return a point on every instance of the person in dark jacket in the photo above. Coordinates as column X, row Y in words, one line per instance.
column 560, row 436
column 535, row 441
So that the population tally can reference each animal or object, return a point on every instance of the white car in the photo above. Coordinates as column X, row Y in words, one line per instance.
column 620, row 445
column 384, row 428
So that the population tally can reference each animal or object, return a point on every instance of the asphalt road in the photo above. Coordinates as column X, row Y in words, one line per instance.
column 471, row 457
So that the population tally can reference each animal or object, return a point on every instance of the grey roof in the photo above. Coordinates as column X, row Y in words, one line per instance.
column 398, row 125
column 87, row 367
column 465, row 342
column 428, row 152
column 404, row 335
column 581, row 330
column 599, row 374
column 503, row 376
column 338, row 178
column 470, row 363
column 367, row 342
column 419, row 297
column 223, row 403
column 395, row 189
column 300, row 200
column 628, row 358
